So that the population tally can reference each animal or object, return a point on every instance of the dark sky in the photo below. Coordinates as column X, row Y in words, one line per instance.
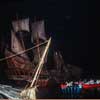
column 66, row 21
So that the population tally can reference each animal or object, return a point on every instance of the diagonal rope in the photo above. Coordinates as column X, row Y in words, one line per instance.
column 5, row 58
column 40, row 72
column 41, row 62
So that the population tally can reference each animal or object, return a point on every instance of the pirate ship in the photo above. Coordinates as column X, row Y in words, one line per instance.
column 30, row 91
column 28, row 42
column 27, row 57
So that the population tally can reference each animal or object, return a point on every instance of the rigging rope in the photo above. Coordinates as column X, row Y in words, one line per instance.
column 40, row 65
column 5, row 58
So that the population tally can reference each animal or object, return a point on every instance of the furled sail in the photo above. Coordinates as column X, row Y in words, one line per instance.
column 19, row 64
column 20, row 25
column 38, row 30
column 23, row 35
column 16, row 46
column 38, row 34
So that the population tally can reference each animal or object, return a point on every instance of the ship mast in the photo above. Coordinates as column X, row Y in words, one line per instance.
column 20, row 31
column 38, row 34
column 37, row 42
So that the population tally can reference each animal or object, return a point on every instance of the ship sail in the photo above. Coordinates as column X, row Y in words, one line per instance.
column 38, row 36
column 22, row 61
column 38, row 28
column 20, row 25
column 16, row 46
